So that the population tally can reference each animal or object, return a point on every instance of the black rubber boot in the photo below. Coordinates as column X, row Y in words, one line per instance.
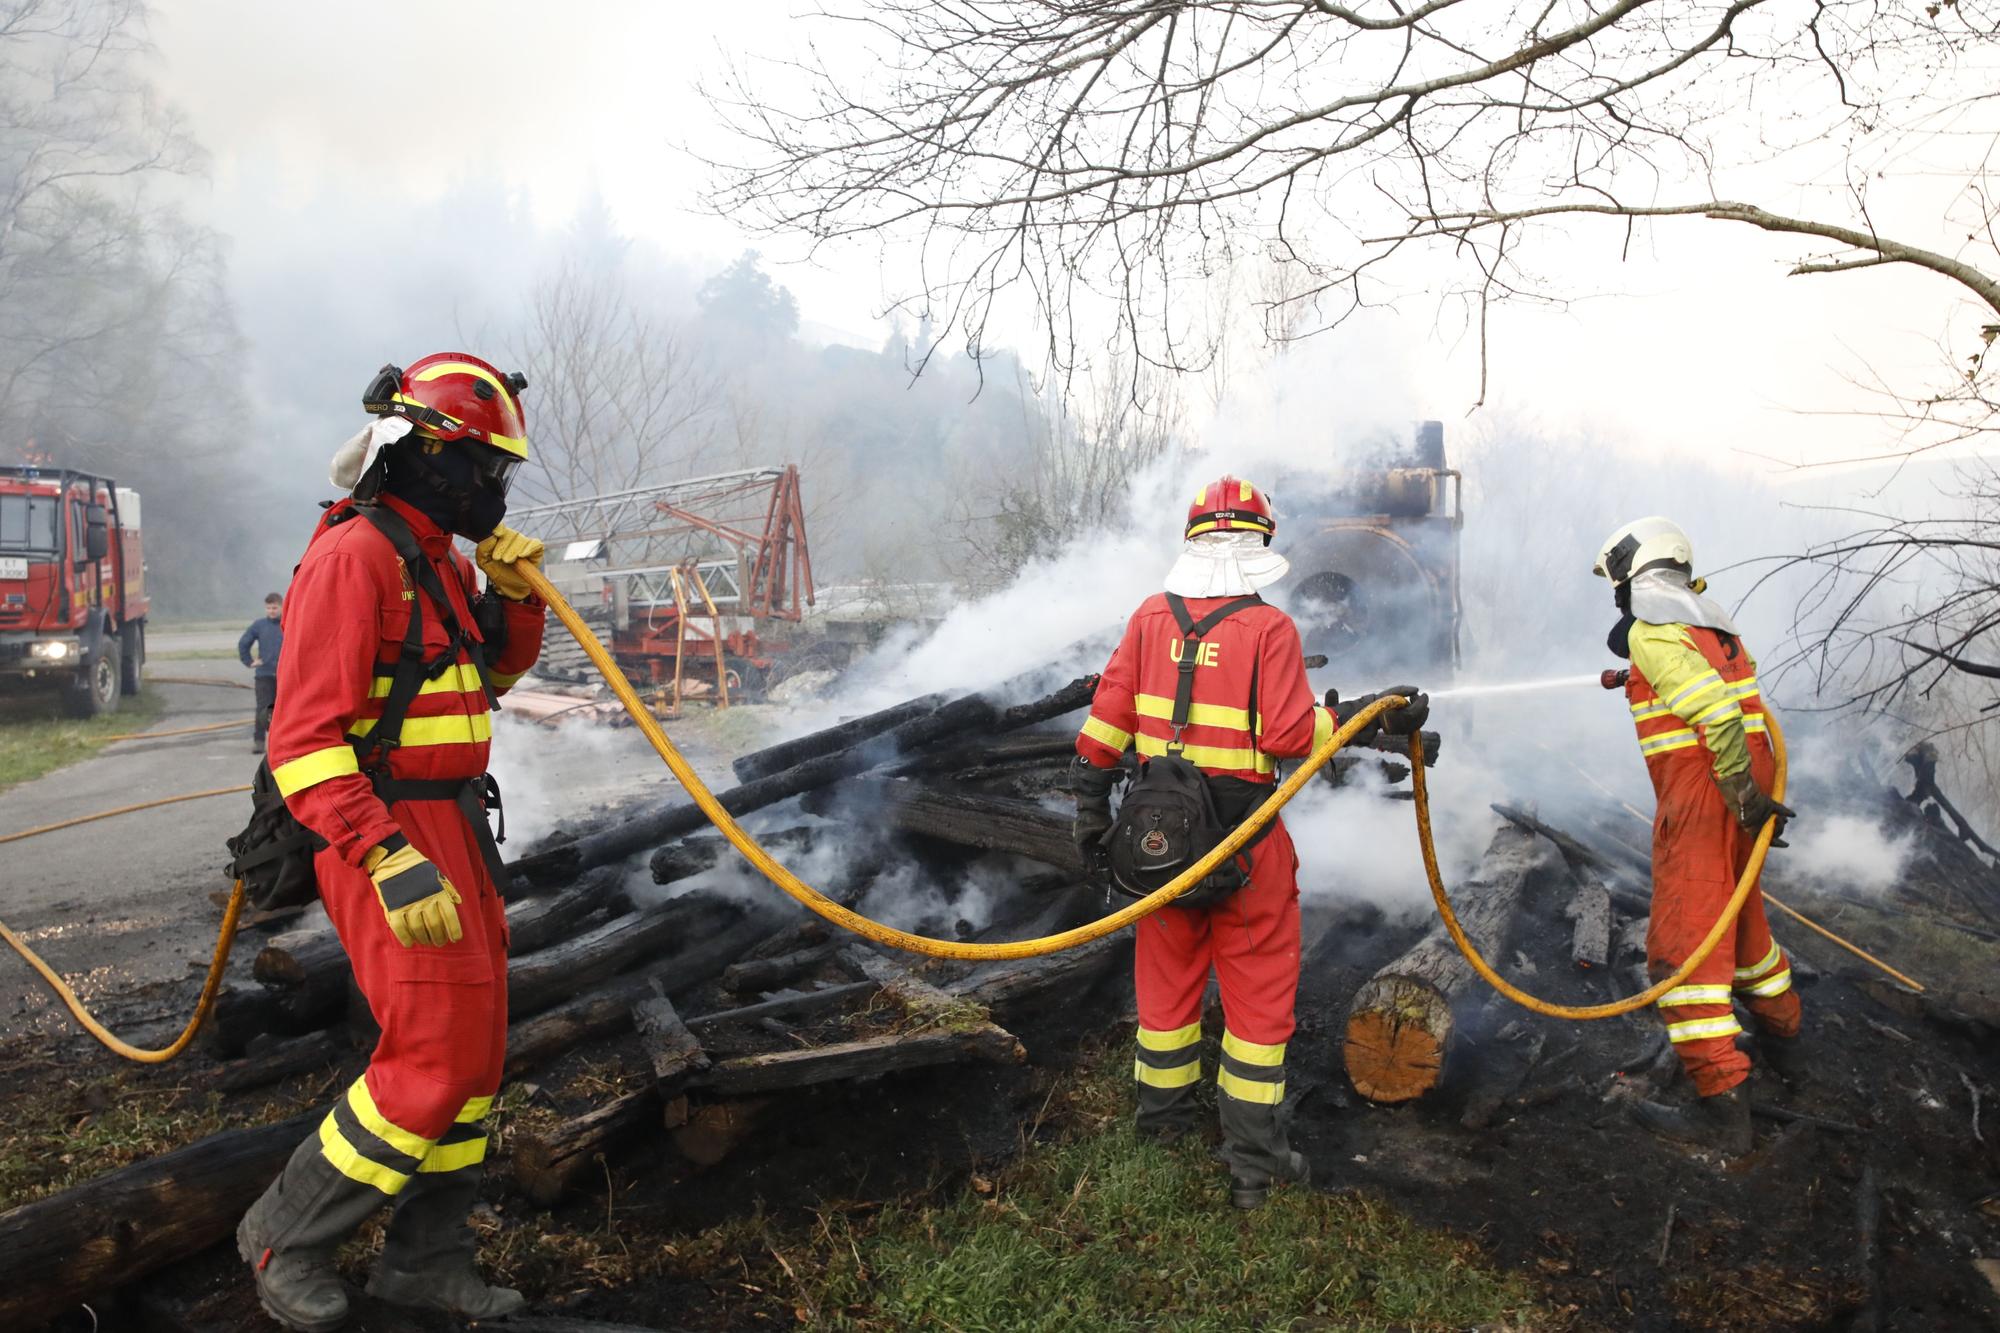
column 1251, row 1191
column 1167, row 1115
column 1784, row 1056
column 1720, row 1123
column 289, row 1235
column 429, row 1260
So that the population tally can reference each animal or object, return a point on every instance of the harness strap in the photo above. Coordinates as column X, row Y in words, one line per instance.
column 473, row 796
column 411, row 669
column 1192, row 631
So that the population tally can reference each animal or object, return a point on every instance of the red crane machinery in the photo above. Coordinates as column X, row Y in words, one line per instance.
column 685, row 577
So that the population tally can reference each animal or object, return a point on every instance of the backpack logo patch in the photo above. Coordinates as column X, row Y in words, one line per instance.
column 1154, row 843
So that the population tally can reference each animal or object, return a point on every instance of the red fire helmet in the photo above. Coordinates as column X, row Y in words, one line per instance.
column 1231, row 505
column 454, row 396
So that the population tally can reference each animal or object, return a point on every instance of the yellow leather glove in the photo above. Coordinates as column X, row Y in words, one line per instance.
column 497, row 554
column 420, row 904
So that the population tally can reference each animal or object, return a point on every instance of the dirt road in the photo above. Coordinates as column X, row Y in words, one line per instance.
column 124, row 903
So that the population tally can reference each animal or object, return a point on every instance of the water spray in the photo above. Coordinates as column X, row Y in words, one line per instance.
column 1519, row 687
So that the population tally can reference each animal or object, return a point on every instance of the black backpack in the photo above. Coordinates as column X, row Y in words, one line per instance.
column 273, row 855
column 1171, row 817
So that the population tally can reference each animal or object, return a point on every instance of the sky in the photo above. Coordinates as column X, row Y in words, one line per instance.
column 1693, row 344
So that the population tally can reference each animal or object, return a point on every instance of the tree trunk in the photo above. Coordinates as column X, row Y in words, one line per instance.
column 75, row 1245
column 1399, row 1026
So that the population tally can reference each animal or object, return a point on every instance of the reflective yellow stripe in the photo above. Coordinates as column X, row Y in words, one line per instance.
column 309, row 770
column 1199, row 715
column 1249, row 1089
column 1694, row 689
column 1177, row 1077
column 333, row 1146
column 1649, row 710
column 475, row 1111
column 443, row 368
column 1324, row 725
column 1695, row 995
column 1210, row 756
column 1776, row 984
column 502, row 681
column 452, row 729
column 1719, row 711
column 1105, row 734
column 372, row 1120
column 460, row 679
column 1249, row 1052
column 454, row 1156
column 1669, row 740
column 1754, row 722
column 1762, row 965
column 1698, row 1029
column 1742, row 689
column 1178, row 1039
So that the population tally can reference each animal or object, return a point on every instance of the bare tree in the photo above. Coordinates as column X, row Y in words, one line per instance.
column 1104, row 154
column 622, row 397
column 1078, row 476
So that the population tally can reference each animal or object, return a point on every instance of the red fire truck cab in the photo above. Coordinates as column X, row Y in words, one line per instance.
column 72, row 587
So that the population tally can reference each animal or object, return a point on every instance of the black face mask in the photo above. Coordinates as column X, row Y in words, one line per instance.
column 456, row 488
column 1619, row 641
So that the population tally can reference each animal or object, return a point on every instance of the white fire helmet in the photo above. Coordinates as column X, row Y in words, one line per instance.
column 1641, row 544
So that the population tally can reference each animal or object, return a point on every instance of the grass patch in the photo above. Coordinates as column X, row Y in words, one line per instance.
column 68, row 1129
column 37, row 739
column 1092, row 1229
column 1108, row 1232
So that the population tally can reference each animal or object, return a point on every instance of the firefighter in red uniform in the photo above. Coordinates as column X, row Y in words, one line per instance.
column 1251, row 707
column 407, row 874
column 1694, row 698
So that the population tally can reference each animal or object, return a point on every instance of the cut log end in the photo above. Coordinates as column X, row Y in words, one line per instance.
column 1396, row 1041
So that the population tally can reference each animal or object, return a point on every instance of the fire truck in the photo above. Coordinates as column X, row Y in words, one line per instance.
column 72, row 587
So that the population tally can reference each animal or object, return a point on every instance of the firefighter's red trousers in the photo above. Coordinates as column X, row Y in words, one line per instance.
column 1251, row 942
column 1699, row 851
column 442, row 1011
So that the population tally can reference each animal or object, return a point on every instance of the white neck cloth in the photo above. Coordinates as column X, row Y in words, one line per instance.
column 1225, row 564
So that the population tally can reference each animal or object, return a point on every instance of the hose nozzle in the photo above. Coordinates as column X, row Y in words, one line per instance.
column 1614, row 678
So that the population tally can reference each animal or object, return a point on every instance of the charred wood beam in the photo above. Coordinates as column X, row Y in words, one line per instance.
column 865, row 1058
column 800, row 1003
column 1580, row 856
column 281, row 1060
column 661, row 823
column 544, row 1164
column 991, row 756
column 769, row 973
column 1590, row 910
column 965, row 819
column 1400, row 1024
column 672, row 1050
column 830, row 740
column 90, row 1238
column 692, row 856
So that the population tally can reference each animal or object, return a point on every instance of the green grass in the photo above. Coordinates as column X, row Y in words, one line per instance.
column 1107, row 1232
column 35, row 738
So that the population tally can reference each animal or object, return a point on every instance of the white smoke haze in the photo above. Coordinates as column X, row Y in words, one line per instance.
column 1845, row 851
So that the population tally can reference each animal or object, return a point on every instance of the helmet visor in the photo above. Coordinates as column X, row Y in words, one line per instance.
column 494, row 468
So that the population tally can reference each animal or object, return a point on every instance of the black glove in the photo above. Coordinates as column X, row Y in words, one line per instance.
column 1344, row 711
column 1092, row 788
column 1752, row 805
column 1411, row 716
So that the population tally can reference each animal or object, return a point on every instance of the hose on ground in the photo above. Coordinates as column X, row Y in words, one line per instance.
column 178, row 731
column 832, row 911
column 224, row 941
column 121, row 810
column 199, row 680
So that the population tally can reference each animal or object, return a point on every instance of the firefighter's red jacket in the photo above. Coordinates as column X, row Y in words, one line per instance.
column 345, row 617
column 1252, row 704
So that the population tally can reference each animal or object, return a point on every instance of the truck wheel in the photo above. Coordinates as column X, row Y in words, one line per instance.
column 132, row 658
column 96, row 690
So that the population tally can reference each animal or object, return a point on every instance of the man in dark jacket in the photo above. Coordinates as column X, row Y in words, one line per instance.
column 267, row 638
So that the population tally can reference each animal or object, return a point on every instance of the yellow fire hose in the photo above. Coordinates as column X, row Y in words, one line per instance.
column 121, row 810
column 178, row 731
column 223, row 943
column 199, row 680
